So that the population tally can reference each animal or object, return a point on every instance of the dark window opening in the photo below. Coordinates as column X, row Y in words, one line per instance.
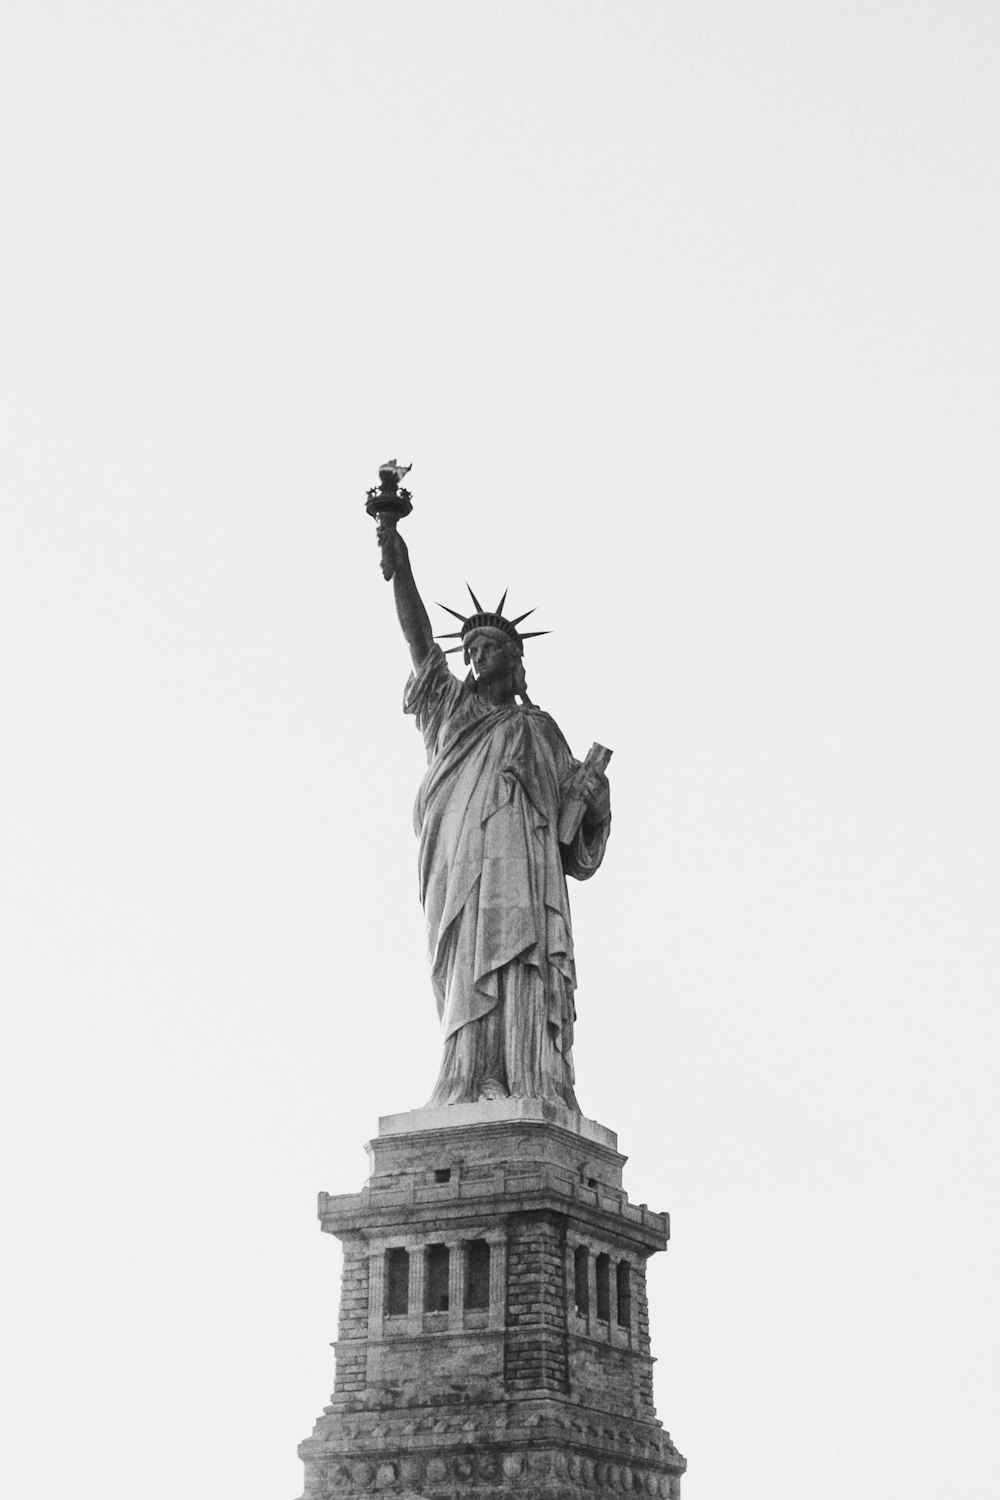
column 477, row 1274
column 624, row 1295
column 591, row 1181
column 604, row 1288
column 442, row 1174
column 581, row 1280
column 436, row 1279
column 397, row 1282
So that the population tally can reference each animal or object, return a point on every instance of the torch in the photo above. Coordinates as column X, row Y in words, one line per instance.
column 387, row 504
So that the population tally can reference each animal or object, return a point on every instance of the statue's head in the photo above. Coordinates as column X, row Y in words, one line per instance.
column 494, row 659
column 492, row 638
column 492, row 645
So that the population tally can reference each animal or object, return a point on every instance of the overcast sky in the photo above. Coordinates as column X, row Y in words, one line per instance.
column 686, row 317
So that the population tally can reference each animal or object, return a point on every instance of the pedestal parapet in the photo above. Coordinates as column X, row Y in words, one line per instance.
column 494, row 1331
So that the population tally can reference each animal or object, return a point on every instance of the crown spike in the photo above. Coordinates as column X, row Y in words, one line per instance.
column 485, row 618
column 452, row 612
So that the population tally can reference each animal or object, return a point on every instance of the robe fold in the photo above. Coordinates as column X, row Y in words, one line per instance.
column 493, row 888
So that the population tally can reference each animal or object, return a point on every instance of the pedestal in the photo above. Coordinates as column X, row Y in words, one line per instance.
column 494, row 1333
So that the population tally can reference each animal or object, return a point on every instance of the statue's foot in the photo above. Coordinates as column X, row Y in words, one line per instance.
column 493, row 1089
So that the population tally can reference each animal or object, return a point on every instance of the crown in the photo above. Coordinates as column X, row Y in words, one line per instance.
column 493, row 619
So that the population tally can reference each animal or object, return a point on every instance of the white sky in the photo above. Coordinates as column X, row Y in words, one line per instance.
column 686, row 315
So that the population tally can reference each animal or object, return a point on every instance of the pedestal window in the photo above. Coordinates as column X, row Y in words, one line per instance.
column 477, row 1275
column 436, row 1279
column 581, row 1281
column 604, row 1289
column 397, row 1282
column 624, row 1294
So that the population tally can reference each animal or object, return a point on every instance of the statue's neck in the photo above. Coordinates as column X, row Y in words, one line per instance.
column 495, row 694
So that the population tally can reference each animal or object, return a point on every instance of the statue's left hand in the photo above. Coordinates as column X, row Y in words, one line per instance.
column 593, row 786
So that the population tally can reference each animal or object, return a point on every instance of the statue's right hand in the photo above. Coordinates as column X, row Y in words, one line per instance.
column 393, row 548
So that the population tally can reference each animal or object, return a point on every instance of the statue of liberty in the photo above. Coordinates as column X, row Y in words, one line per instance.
column 493, row 867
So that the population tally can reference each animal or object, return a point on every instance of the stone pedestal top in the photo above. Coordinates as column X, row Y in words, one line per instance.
column 497, row 1112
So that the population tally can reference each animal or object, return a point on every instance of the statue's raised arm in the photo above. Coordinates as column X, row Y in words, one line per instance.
column 504, row 815
column 387, row 504
column 413, row 620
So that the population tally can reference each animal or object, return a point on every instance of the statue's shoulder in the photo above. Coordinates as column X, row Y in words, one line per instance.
column 432, row 688
column 542, row 723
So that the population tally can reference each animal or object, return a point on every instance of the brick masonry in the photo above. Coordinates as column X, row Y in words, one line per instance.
column 351, row 1346
column 535, row 1349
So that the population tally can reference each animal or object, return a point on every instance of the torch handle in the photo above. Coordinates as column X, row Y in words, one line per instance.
column 385, row 534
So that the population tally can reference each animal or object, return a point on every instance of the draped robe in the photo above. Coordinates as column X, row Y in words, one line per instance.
column 493, row 888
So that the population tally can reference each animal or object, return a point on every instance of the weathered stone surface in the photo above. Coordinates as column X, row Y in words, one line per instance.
column 493, row 1334
column 496, row 1111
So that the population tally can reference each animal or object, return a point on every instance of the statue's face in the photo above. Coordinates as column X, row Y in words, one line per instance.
column 490, row 657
